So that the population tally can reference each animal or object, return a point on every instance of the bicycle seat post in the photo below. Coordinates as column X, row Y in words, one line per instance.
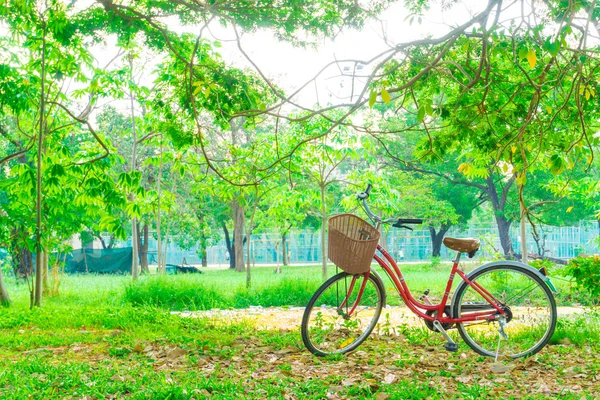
column 457, row 259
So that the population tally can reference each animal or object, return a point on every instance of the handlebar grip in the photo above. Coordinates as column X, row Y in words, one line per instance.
column 410, row 221
column 368, row 189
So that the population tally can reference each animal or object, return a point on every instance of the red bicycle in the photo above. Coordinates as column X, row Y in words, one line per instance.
column 503, row 308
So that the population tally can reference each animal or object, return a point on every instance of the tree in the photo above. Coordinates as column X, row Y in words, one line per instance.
column 37, row 109
column 318, row 162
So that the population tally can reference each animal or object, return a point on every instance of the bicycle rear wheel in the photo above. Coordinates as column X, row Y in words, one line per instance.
column 528, row 302
column 338, row 318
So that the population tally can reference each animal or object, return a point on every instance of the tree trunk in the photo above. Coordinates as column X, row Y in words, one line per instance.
column 203, row 240
column 277, row 266
column 284, row 250
column 437, row 238
column 110, row 244
column 4, row 299
column 203, row 249
column 21, row 259
column 238, row 235
column 37, row 295
column 523, row 227
column 166, row 244
column 134, row 227
column 230, row 247
column 249, row 241
column 45, row 271
column 135, row 273
column 323, row 232
column 498, row 204
column 504, row 234
column 159, row 255
column 143, row 249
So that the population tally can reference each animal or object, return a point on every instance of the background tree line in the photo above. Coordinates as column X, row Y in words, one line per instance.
column 498, row 112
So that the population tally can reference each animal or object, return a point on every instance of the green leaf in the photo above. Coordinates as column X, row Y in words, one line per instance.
column 385, row 96
column 421, row 114
column 557, row 164
column 553, row 48
column 372, row 99
column 120, row 233
column 429, row 109
column 522, row 53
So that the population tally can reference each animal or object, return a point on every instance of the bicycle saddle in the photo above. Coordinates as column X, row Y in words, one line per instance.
column 463, row 245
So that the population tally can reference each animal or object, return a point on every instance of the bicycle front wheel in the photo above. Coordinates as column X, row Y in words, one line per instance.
column 342, row 313
column 529, row 305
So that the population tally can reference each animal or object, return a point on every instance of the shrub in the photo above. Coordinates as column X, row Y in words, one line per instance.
column 175, row 294
column 185, row 293
column 586, row 273
column 287, row 292
column 549, row 265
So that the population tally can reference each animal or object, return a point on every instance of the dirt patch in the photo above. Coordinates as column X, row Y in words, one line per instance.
column 289, row 318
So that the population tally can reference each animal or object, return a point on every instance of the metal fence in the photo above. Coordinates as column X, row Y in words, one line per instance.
column 304, row 246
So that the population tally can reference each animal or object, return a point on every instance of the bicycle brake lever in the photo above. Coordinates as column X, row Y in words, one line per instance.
column 402, row 226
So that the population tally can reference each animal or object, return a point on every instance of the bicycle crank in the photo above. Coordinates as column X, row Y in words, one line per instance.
column 429, row 324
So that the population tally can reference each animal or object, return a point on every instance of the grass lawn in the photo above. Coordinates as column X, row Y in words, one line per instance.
column 95, row 341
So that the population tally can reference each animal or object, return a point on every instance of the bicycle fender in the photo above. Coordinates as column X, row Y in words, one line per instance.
column 545, row 279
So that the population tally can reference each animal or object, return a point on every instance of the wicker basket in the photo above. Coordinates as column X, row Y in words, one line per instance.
column 352, row 243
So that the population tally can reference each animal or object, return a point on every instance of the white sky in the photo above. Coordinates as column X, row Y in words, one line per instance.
column 291, row 67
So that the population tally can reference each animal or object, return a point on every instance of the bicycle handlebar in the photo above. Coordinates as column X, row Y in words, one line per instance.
column 397, row 222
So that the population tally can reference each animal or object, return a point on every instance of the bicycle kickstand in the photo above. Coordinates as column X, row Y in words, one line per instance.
column 451, row 345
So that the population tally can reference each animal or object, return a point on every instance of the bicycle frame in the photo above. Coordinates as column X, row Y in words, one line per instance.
column 389, row 265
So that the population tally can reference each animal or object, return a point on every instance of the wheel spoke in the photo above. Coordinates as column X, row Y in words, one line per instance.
column 530, row 313
column 326, row 326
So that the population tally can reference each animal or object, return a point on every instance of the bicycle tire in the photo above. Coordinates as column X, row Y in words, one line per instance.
column 326, row 330
column 531, row 311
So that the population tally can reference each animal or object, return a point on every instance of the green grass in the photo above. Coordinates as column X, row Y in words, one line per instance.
column 95, row 341
column 227, row 288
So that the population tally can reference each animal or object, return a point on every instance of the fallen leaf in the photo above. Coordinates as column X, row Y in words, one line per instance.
column 389, row 379
column 176, row 353
column 287, row 350
column 544, row 389
column 499, row 368
column 484, row 382
column 348, row 382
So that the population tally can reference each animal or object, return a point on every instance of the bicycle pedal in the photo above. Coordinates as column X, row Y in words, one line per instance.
column 453, row 347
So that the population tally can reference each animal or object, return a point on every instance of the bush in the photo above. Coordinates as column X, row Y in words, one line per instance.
column 175, row 294
column 549, row 265
column 183, row 293
column 586, row 273
column 287, row 292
